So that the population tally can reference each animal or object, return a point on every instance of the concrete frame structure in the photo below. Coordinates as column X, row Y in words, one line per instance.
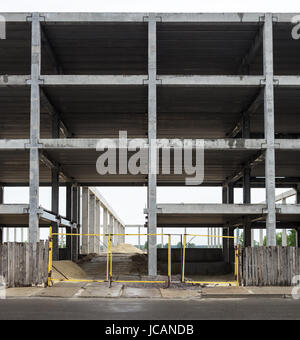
column 92, row 200
column 249, row 153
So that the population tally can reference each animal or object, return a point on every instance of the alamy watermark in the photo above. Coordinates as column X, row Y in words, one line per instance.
column 167, row 156
column 296, row 28
column 2, row 27
column 2, row 288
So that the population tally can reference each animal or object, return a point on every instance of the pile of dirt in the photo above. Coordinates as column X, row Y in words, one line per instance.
column 126, row 249
column 69, row 270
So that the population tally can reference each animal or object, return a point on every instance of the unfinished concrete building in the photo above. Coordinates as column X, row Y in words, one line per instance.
column 69, row 80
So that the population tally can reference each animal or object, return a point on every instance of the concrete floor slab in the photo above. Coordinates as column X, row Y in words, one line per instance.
column 23, row 292
column 70, row 284
column 102, row 291
column 58, row 292
column 130, row 292
column 180, row 293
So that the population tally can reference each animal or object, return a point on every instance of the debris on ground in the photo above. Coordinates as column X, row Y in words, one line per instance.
column 63, row 270
column 126, row 249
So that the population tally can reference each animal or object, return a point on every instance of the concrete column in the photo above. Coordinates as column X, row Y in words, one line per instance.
column 98, row 229
column 92, row 222
column 152, row 164
column 105, row 227
column 34, row 130
column 298, row 230
column 112, row 229
column 247, row 200
column 22, row 235
column 269, row 129
column 231, row 247
column 54, row 209
column 75, row 218
column 225, row 200
column 261, row 237
column 162, row 237
column 139, row 237
column 284, row 235
column 252, row 238
column 85, row 220
column 1, row 202
column 69, row 217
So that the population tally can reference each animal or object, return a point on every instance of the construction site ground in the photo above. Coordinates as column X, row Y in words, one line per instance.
column 132, row 267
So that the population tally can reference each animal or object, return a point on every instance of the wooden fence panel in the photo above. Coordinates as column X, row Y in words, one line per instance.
column 269, row 266
column 20, row 267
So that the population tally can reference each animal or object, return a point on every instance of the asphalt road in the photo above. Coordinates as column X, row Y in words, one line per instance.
column 140, row 309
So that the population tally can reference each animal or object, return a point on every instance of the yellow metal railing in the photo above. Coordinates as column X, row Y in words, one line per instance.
column 109, row 259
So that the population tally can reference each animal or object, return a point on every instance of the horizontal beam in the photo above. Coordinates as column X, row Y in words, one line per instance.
column 82, row 80
column 167, row 80
column 214, row 81
column 224, row 209
column 209, row 144
column 141, row 17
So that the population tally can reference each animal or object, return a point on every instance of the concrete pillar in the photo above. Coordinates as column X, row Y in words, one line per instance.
column 98, row 229
column 1, row 202
column 252, row 238
column 34, row 165
column 111, row 225
column 152, row 166
column 92, row 222
column 85, row 220
column 54, row 209
column 162, row 237
column 69, row 197
column 247, row 200
column 269, row 129
column 284, row 235
column 261, row 237
column 105, row 227
column 22, row 235
column 139, row 237
column 225, row 200
column 76, row 219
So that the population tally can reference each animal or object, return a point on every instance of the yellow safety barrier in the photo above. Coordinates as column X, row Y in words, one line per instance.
column 236, row 263
column 109, row 261
column 143, row 281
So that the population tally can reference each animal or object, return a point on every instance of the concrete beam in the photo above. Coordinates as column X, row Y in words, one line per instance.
column 84, row 80
column 269, row 128
column 209, row 144
column 226, row 209
column 210, row 81
column 141, row 17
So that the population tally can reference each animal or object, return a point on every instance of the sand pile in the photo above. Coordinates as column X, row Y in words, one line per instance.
column 126, row 249
column 67, row 269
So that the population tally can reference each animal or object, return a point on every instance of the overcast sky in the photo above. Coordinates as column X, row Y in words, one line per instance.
column 130, row 202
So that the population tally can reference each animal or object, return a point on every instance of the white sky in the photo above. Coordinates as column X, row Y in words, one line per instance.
column 130, row 202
